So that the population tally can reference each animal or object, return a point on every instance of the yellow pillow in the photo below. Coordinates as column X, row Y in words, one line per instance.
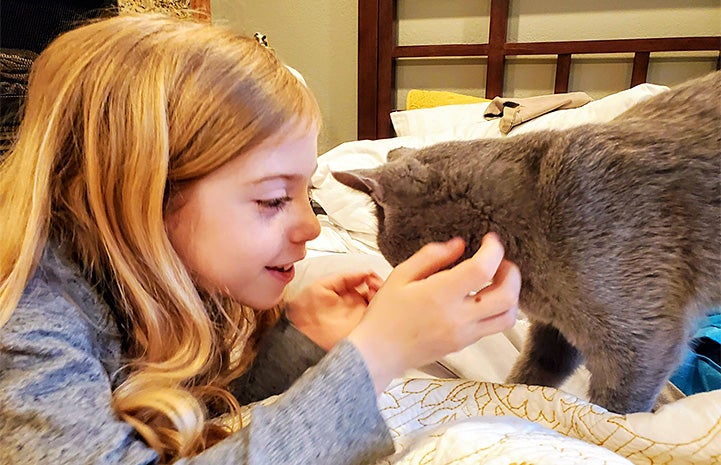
column 435, row 98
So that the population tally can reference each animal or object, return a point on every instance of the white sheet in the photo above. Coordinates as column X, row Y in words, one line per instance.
column 498, row 440
column 421, row 412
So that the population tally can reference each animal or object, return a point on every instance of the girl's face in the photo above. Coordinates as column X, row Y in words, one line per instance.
column 240, row 229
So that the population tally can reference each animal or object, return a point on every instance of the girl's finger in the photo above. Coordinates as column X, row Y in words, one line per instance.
column 508, row 276
column 496, row 323
column 359, row 294
column 506, row 281
column 486, row 305
column 374, row 281
column 427, row 261
column 342, row 282
column 472, row 274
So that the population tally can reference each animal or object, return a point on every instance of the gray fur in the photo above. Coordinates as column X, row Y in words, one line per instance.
column 616, row 228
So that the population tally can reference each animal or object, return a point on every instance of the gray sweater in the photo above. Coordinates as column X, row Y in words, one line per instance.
column 60, row 355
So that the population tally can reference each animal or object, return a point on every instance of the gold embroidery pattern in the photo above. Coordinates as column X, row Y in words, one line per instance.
column 687, row 431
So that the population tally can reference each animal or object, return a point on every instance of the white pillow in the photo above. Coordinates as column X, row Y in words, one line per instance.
column 437, row 119
column 350, row 209
column 468, row 119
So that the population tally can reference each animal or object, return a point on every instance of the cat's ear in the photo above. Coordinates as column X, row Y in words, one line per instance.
column 361, row 180
column 395, row 154
column 416, row 174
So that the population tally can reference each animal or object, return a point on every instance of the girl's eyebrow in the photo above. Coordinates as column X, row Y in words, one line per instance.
column 273, row 177
column 284, row 176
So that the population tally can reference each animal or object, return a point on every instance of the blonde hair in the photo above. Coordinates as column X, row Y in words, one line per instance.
column 119, row 113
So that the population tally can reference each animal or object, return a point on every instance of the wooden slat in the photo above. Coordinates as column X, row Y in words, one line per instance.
column 670, row 44
column 563, row 73
column 367, row 68
column 201, row 9
column 378, row 44
column 496, row 48
column 386, row 69
column 449, row 50
column 640, row 68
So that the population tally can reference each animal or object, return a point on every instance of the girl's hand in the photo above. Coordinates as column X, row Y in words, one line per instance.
column 422, row 314
column 329, row 309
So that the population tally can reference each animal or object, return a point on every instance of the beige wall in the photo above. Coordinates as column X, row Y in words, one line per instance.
column 319, row 38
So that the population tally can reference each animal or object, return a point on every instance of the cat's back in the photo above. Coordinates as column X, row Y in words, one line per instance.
column 643, row 192
column 666, row 150
column 693, row 102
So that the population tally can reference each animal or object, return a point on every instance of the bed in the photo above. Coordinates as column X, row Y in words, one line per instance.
column 458, row 410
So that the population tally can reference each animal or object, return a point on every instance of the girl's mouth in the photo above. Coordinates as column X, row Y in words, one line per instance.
column 284, row 273
column 281, row 269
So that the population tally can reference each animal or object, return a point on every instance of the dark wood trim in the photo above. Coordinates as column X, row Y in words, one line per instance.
column 378, row 52
column 387, row 41
column 496, row 48
column 563, row 73
column 640, row 68
column 449, row 50
column 367, row 68
column 667, row 44
column 201, row 9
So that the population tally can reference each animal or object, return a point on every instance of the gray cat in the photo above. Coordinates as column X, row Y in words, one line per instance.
column 616, row 228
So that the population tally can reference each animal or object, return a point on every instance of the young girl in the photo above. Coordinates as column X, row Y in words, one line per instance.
column 150, row 215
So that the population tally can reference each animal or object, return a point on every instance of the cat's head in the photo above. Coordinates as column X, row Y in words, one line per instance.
column 419, row 199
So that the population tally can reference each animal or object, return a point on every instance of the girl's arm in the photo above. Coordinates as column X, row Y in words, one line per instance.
column 329, row 416
column 315, row 320
column 284, row 354
column 55, row 401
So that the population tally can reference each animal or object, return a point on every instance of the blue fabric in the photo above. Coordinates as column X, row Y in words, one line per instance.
column 701, row 369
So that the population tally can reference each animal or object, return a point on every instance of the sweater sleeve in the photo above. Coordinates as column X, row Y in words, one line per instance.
column 55, row 394
column 329, row 416
column 55, row 405
column 284, row 354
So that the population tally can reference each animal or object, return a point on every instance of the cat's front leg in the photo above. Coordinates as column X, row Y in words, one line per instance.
column 547, row 358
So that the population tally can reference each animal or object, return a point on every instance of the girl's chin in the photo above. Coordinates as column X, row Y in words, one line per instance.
column 267, row 302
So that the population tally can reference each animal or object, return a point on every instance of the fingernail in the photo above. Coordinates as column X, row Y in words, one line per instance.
column 491, row 236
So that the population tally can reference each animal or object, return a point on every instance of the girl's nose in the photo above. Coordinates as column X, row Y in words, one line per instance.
column 307, row 227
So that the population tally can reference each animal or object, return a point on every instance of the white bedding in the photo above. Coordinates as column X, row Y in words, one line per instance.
column 468, row 422
column 476, row 419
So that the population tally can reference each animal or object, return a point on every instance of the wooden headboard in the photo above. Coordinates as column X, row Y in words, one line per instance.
column 378, row 51
column 202, row 7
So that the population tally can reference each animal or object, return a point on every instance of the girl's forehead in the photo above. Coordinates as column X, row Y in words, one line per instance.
column 286, row 157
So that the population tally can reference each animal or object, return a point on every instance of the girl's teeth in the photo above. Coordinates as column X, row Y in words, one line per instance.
column 281, row 268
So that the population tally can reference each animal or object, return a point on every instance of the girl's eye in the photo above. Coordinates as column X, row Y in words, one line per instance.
column 274, row 204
